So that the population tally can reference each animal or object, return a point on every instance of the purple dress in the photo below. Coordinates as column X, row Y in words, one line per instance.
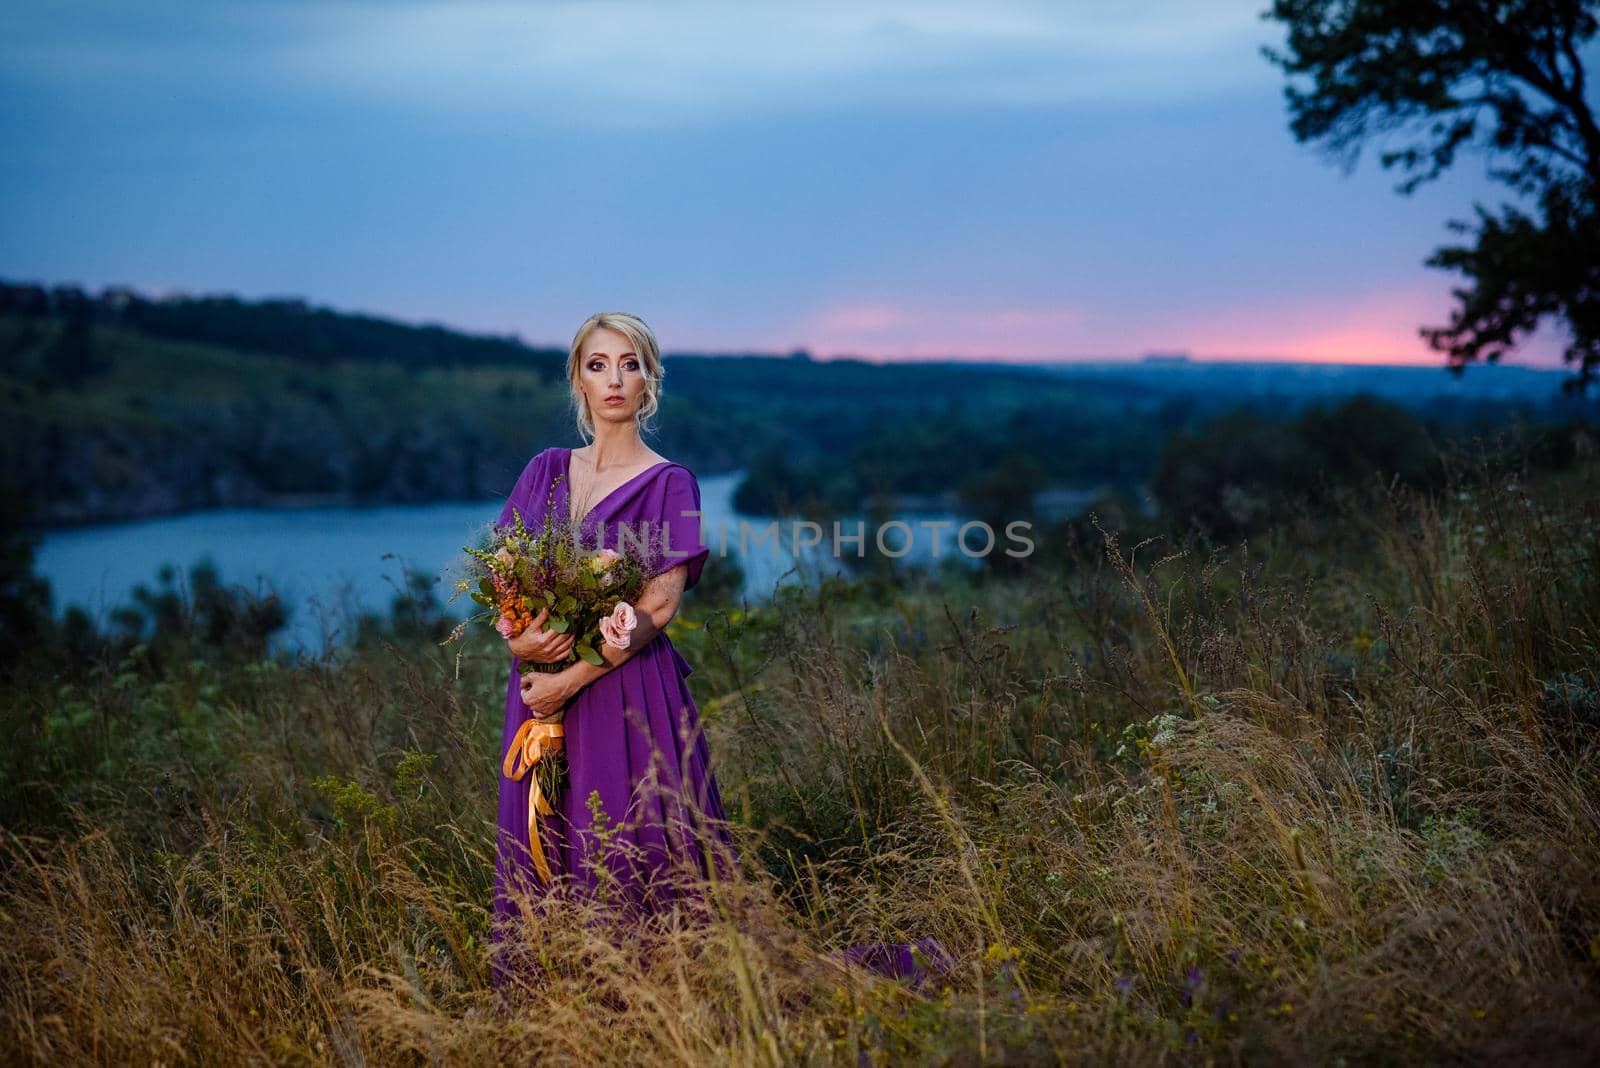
column 632, row 736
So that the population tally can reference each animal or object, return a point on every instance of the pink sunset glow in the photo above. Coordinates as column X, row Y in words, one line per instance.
column 1375, row 328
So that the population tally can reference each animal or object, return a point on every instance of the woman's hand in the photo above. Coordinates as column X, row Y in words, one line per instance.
column 545, row 693
column 539, row 646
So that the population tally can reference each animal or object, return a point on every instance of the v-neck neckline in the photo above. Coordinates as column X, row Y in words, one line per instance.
column 567, row 481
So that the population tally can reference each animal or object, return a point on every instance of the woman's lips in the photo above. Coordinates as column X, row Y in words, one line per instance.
column 616, row 400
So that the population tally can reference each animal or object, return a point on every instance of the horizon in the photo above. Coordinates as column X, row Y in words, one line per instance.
column 1171, row 357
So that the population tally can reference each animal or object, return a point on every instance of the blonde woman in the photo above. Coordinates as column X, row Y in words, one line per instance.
column 632, row 732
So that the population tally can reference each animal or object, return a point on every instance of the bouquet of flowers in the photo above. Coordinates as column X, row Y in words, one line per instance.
column 588, row 593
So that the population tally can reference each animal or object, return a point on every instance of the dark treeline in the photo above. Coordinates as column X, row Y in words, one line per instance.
column 1244, row 471
column 282, row 327
column 117, row 407
column 1226, row 469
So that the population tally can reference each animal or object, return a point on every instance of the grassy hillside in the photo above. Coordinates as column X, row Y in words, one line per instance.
column 172, row 426
column 119, row 407
column 105, row 421
column 1328, row 798
column 161, row 426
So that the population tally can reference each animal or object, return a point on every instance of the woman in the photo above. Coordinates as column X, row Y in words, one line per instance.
column 632, row 730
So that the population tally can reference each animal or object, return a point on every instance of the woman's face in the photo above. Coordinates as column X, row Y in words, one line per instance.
column 611, row 376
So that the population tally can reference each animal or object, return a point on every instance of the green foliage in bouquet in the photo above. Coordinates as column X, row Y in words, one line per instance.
column 519, row 573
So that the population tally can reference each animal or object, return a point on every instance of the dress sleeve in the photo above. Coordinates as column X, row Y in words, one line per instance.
column 520, row 493
column 681, row 525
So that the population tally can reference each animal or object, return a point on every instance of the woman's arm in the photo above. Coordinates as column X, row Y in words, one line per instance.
column 544, row 694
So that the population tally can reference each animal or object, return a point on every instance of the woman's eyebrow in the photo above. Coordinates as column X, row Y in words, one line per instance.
column 592, row 355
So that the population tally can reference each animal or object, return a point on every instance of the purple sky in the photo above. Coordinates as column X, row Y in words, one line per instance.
column 1053, row 180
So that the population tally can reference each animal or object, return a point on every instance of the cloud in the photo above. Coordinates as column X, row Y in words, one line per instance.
column 862, row 319
column 888, row 329
column 636, row 63
column 1368, row 326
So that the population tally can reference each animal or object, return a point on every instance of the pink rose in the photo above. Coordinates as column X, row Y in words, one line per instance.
column 617, row 628
column 506, row 627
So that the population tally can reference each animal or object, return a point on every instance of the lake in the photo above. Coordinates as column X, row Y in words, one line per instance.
column 330, row 564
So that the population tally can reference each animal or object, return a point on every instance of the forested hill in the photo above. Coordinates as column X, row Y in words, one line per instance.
column 282, row 327
column 119, row 406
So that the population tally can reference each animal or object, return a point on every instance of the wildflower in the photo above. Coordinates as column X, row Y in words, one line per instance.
column 998, row 951
column 1191, row 984
column 602, row 564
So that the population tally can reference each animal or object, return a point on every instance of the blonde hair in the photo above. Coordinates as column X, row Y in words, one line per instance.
column 643, row 343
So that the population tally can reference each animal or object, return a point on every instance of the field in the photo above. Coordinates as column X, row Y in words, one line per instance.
column 1328, row 796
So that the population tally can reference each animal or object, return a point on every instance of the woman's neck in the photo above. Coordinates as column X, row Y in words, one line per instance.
column 616, row 447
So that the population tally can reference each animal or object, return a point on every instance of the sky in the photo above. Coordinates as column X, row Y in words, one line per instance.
column 1006, row 181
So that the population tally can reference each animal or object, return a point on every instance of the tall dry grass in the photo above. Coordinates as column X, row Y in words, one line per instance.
column 1330, row 796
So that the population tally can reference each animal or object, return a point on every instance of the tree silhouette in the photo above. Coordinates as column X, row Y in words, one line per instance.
column 72, row 359
column 24, row 596
column 1444, row 75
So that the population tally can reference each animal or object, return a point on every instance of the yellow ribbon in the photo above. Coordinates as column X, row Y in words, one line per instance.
column 534, row 740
